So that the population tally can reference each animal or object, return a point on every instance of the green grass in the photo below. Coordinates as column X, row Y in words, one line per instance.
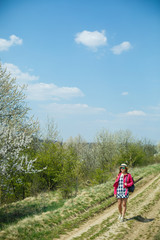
column 157, row 236
column 47, row 216
column 12, row 214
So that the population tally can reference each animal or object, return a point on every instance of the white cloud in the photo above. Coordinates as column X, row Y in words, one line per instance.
column 124, row 93
column 75, row 109
column 136, row 113
column 118, row 49
column 44, row 91
column 41, row 91
column 93, row 40
column 22, row 77
column 6, row 44
column 155, row 108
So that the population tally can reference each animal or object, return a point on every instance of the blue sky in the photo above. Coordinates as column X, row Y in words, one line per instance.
column 88, row 65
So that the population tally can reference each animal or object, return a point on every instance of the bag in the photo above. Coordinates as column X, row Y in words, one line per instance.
column 131, row 188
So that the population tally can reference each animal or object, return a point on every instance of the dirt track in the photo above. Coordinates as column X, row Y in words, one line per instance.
column 142, row 218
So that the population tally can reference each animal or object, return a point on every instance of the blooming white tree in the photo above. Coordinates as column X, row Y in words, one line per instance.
column 12, row 147
column 12, row 104
column 16, row 133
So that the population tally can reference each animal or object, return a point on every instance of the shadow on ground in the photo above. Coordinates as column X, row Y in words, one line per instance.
column 139, row 218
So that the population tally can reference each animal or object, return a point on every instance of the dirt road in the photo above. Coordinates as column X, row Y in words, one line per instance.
column 142, row 218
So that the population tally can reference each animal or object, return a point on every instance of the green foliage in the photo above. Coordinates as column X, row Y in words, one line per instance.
column 156, row 157
column 100, row 176
column 62, row 167
column 68, row 177
column 49, row 156
column 133, row 155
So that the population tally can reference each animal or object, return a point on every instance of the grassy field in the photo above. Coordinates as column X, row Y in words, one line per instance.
column 47, row 216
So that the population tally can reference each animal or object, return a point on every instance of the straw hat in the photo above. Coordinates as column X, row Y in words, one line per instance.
column 124, row 165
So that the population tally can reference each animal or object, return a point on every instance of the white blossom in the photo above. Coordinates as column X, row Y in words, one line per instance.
column 12, row 160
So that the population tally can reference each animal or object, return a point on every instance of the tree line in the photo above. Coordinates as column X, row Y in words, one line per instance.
column 31, row 163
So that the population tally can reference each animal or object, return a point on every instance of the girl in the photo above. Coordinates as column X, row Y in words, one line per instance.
column 123, row 181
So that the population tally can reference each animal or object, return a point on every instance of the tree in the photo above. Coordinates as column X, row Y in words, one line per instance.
column 85, row 153
column 51, row 132
column 68, row 177
column 50, row 156
column 14, row 163
column 16, row 134
column 156, row 157
column 107, row 150
column 12, row 104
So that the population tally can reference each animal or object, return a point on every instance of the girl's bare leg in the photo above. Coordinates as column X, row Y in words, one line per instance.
column 120, row 205
column 124, row 203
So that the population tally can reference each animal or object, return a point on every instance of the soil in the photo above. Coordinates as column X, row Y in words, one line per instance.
column 142, row 219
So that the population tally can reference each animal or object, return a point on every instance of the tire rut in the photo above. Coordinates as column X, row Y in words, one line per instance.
column 139, row 205
column 100, row 218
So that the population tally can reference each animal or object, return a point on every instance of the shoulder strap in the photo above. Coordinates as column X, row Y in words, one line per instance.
column 126, row 178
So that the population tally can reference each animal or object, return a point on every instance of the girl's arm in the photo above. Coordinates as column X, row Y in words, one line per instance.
column 130, row 181
column 115, row 191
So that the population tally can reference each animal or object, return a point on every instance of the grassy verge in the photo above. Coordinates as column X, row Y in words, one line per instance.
column 49, row 216
column 12, row 213
column 73, row 212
